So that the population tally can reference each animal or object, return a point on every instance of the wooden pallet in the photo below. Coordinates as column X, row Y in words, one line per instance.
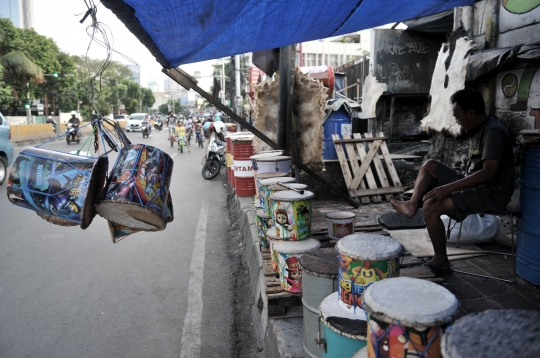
column 364, row 173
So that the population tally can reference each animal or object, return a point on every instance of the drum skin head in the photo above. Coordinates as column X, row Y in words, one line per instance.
column 95, row 189
column 131, row 215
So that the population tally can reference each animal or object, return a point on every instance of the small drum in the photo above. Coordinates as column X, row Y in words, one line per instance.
column 137, row 189
column 364, row 259
column 494, row 333
column 345, row 333
column 264, row 222
column 261, row 155
column 319, row 279
column 61, row 187
column 281, row 163
column 291, row 214
column 405, row 317
column 259, row 177
column 264, row 194
column 288, row 253
column 340, row 224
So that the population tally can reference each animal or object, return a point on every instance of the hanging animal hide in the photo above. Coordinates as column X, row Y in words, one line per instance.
column 308, row 112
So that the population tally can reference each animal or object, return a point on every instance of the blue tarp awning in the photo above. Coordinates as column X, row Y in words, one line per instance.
column 185, row 31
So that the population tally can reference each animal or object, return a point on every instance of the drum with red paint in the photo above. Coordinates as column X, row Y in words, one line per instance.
column 244, row 182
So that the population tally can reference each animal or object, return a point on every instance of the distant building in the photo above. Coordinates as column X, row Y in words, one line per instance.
column 333, row 52
column 136, row 70
column 20, row 12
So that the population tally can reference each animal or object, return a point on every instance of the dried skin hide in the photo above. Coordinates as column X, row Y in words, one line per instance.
column 308, row 111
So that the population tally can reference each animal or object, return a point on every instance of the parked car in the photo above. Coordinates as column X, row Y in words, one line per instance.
column 134, row 122
column 6, row 148
column 121, row 117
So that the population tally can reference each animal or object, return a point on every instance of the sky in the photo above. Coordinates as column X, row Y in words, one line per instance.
column 59, row 20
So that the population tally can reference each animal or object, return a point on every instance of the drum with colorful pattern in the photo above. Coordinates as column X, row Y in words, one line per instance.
column 137, row 188
column 264, row 222
column 291, row 214
column 288, row 253
column 405, row 316
column 264, row 193
column 261, row 177
column 340, row 224
column 61, row 187
column 364, row 259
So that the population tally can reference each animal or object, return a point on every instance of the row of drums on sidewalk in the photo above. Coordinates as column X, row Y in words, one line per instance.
column 356, row 305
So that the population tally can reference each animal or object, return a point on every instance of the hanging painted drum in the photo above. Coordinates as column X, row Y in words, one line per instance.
column 288, row 253
column 264, row 194
column 62, row 188
column 291, row 214
column 512, row 333
column 137, row 189
column 340, row 224
column 344, row 332
column 405, row 317
column 282, row 163
column 364, row 259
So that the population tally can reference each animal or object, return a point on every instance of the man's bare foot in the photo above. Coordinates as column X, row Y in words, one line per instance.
column 407, row 208
column 443, row 264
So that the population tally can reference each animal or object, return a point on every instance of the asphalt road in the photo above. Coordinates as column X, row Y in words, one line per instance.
column 67, row 292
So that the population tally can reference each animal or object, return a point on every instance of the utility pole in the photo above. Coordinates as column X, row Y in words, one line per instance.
column 238, row 86
column 28, row 102
column 222, row 79
column 231, row 83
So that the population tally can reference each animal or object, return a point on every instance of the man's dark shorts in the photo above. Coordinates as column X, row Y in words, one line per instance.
column 470, row 201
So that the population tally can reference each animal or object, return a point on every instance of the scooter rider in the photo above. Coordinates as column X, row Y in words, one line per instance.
column 146, row 121
column 75, row 123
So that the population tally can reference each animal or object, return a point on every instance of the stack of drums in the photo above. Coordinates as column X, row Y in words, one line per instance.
column 264, row 184
column 494, row 333
column 406, row 318
column 244, row 182
column 340, row 224
column 264, row 222
column 263, row 176
column 319, row 279
column 280, row 163
column 230, row 127
column 363, row 260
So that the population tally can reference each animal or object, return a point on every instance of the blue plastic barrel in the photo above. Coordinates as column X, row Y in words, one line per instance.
column 528, row 242
column 338, row 122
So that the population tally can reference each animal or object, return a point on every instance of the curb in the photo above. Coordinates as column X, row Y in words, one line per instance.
column 275, row 337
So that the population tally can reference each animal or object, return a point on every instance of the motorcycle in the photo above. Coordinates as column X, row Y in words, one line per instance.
column 73, row 134
column 158, row 124
column 215, row 159
column 146, row 130
column 171, row 136
column 181, row 143
column 199, row 138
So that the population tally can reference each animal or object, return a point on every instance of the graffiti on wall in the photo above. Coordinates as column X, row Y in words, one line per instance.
column 520, row 87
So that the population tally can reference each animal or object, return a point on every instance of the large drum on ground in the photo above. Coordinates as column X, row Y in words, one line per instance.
column 288, row 254
column 494, row 333
column 244, row 182
column 264, row 194
column 405, row 317
column 319, row 279
column 340, row 224
column 344, row 332
column 291, row 214
column 364, row 259
column 137, row 189
column 263, row 176
column 281, row 163
column 62, row 188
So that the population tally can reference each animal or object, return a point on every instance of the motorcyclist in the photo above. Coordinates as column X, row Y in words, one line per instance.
column 146, row 121
column 75, row 122
column 53, row 122
column 181, row 135
column 219, row 127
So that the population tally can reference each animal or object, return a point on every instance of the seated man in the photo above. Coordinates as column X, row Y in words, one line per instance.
column 487, row 186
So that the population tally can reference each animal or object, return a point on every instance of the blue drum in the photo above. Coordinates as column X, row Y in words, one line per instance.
column 344, row 333
column 61, row 187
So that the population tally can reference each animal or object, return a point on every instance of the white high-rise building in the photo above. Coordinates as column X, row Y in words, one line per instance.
column 20, row 12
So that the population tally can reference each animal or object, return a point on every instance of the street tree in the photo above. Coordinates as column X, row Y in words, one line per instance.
column 244, row 75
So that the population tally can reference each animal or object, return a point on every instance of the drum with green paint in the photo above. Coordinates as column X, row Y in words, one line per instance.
column 291, row 214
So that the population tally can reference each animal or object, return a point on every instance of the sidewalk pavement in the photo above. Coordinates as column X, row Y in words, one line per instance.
column 282, row 337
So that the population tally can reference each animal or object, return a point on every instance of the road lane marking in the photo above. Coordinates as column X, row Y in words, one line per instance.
column 191, row 333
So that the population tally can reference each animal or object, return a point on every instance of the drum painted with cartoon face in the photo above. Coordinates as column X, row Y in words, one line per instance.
column 344, row 332
column 61, row 187
column 291, row 214
column 405, row 317
column 364, row 259
column 264, row 193
column 137, row 188
column 264, row 222
column 288, row 254
column 263, row 176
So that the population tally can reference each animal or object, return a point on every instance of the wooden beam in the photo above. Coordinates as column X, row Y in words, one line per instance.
column 358, row 140
column 379, row 191
column 182, row 77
